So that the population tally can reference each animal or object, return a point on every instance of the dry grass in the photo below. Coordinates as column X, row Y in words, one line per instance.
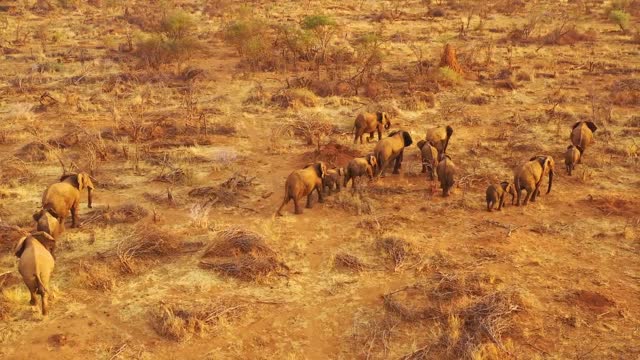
column 398, row 250
column 123, row 214
column 349, row 262
column 236, row 241
column 227, row 193
column 614, row 205
column 96, row 276
column 241, row 254
column 180, row 321
column 357, row 203
column 146, row 242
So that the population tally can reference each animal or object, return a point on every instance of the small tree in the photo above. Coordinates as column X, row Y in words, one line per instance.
column 323, row 29
column 620, row 18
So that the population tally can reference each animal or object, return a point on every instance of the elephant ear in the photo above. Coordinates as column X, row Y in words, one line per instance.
column 576, row 125
column 591, row 126
column 579, row 149
column 407, row 139
column 379, row 117
column 72, row 179
column 504, row 185
column 19, row 249
column 320, row 169
column 542, row 160
column 371, row 159
column 421, row 143
column 569, row 147
column 37, row 215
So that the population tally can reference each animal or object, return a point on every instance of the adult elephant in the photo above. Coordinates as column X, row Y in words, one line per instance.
column 582, row 135
column 391, row 148
column 529, row 176
column 439, row 138
column 64, row 196
column 301, row 183
column 370, row 123
column 35, row 265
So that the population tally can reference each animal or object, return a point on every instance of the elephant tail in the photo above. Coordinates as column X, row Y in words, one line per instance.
column 41, row 289
column 285, row 200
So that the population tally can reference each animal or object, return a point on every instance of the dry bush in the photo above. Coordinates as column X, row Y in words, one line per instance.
column 483, row 321
column 96, row 276
column 523, row 76
column 313, row 126
column 398, row 250
column 227, row 193
column 567, row 35
column 122, row 214
column 15, row 172
column 295, row 98
column 418, row 101
column 409, row 304
column 235, row 241
column 241, row 254
column 146, row 242
column 348, row 262
column 180, row 321
column 32, row 152
column 9, row 236
column 373, row 335
column 176, row 176
column 626, row 92
column 357, row 203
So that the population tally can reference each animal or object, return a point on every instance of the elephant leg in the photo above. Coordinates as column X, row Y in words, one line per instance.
column 320, row 196
column 33, row 300
column 74, row 215
column 424, row 166
column 338, row 186
column 398, row 165
column 309, row 200
column 379, row 135
column 489, row 205
column 296, row 204
column 501, row 204
column 526, row 198
column 370, row 136
column 518, row 194
column 535, row 193
column 45, row 303
column 355, row 138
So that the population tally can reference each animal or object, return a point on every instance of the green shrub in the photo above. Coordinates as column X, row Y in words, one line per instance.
column 178, row 25
column 250, row 38
column 449, row 75
column 620, row 18
column 317, row 21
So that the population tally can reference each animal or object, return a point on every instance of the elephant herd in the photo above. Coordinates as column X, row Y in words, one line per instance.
column 36, row 250
column 436, row 163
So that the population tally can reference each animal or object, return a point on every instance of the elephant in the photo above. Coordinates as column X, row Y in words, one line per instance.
column 429, row 158
column 301, row 183
column 439, row 138
column 572, row 157
column 391, row 148
column 64, row 196
column 370, row 123
column 333, row 180
column 47, row 222
column 496, row 195
column 529, row 176
column 35, row 265
column 582, row 134
column 358, row 167
column 446, row 174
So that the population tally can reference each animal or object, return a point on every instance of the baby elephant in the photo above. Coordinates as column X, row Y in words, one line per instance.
column 360, row 167
column 47, row 222
column 446, row 173
column 572, row 157
column 35, row 266
column 333, row 180
column 496, row 194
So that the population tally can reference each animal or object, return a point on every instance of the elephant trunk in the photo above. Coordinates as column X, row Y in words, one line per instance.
column 89, row 197
column 550, row 180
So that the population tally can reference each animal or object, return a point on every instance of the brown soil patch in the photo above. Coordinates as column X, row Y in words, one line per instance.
column 590, row 299
column 333, row 154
